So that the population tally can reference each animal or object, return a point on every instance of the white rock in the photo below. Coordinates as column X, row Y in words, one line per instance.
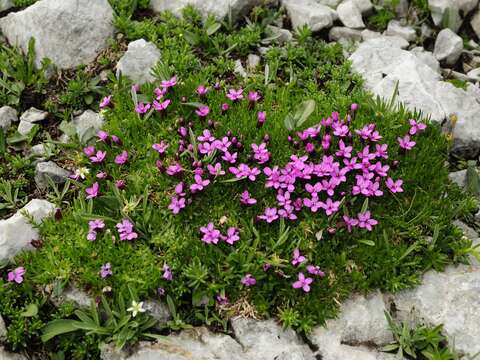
column 350, row 14
column 458, row 177
column 16, row 233
column 68, row 32
column 6, row 4
column 467, row 5
column 441, row 9
column 448, row 46
column 281, row 35
column 475, row 23
column 474, row 91
column 474, row 74
column 218, row 8
column 427, row 58
column 157, row 310
column 74, row 295
column 401, row 9
column 87, row 121
column 330, row 3
column 383, row 65
column 396, row 29
column 192, row 344
column 7, row 116
column 338, row 32
column 3, row 330
column 266, row 340
column 25, row 127
column 361, row 320
column 138, row 61
column 239, row 69
column 449, row 298
column 45, row 170
column 253, row 62
column 33, row 115
column 5, row 355
column 308, row 12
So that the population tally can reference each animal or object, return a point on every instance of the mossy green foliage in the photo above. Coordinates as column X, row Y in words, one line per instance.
column 391, row 258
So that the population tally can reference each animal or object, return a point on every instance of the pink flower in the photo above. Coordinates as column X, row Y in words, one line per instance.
column 199, row 184
column 92, row 236
column 344, row 151
column 174, row 169
column 365, row 221
column 297, row 257
column 206, row 136
column 161, row 106
column 102, row 135
column 270, row 215
column 142, row 108
column 98, row 157
column 160, row 148
column 246, row 199
column 260, row 153
column 350, row 222
column 225, row 108
column 105, row 101
column 202, row 111
column 167, row 272
column 177, row 204
column 302, row 283
column 222, row 299
column 92, row 192
column 394, row 186
column 122, row 158
column 253, row 96
column 165, row 84
column 235, row 95
column 313, row 204
column 180, row 189
column 202, row 90
column 406, row 143
column 215, row 170
column 106, row 271
column 232, row 236
column 330, row 206
column 416, row 127
column 230, row 158
column 159, row 93
column 248, row 280
column 210, row 234
column 381, row 150
column 120, row 184
column 89, row 151
column 125, row 230
column 95, row 225
column 16, row 275
column 315, row 270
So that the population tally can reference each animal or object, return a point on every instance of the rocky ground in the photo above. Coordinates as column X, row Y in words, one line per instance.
column 440, row 79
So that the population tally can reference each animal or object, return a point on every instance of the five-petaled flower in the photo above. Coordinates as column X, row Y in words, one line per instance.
column 302, row 282
column 16, row 275
column 137, row 307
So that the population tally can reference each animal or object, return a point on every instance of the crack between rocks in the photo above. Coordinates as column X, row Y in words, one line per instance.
column 313, row 348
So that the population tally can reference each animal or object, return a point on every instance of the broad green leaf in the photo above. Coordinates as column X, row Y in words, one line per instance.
column 367, row 242
column 304, row 110
column 289, row 122
column 3, row 143
column 364, row 206
column 212, row 29
column 58, row 327
column 30, row 311
column 472, row 181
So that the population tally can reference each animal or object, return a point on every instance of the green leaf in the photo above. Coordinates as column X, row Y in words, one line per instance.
column 3, row 143
column 30, row 311
column 364, row 206
column 472, row 181
column 16, row 138
column 367, row 242
column 304, row 110
column 212, row 29
column 58, row 327
column 67, row 128
column 196, row 105
column 289, row 122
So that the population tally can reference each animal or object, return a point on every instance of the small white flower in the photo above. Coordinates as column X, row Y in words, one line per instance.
column 82, row 172
column 136, row 308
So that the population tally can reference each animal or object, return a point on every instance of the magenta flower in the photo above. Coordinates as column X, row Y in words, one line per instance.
column 381, row 150
column 232, row 235
column 135, row 88
column 160, row 148
column 161, row 106
column 174, row 169
column 206, row 136
column 248, row 280
column 106, row 271
column 125, row 230
column 270, row 215
column 315, row 270
column 365, row 221
column 92, row 236
column 98, row 157
column 16, row 275
column 101, row 175
column 225, row 107
column 199, row 184
column 246, row 199
column 416, row 127
column 350, row 222
column 340, row 130
column 177, row 204
column 180, row 189
column 166, row 84
column 142, row 108
column 330, row 206
column 354, row 107
column 260, row 153
column 202, row 90
column 406, row 143
column 302, row 283
column 93, row 192
column 230, row 158
column 95, row 225
column 253, row 97
column 120, row 184
column 215, row 170
column 105, row 101
column 235, row 95
column 102, row 135
column 297, row 257
column 116, row 140
column 394, row 186
column 344, row 151
column 122, row 158
column 167, row 272
column 222, row 299
column 89, row 151
column 202, row 111
column 159, row 93
column 210, row 234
